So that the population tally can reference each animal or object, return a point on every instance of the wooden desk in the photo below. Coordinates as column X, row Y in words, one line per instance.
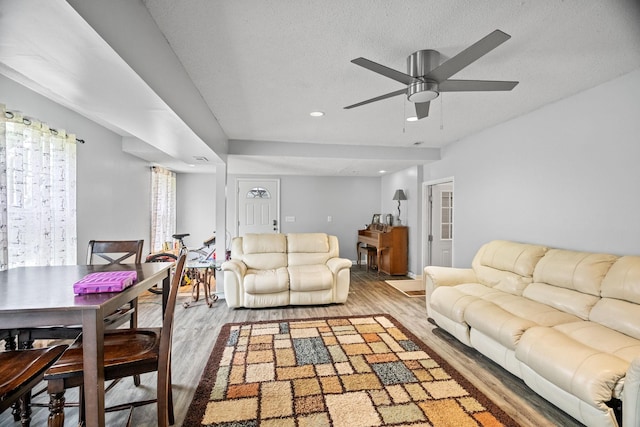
column 43, row 296
column 391, row 247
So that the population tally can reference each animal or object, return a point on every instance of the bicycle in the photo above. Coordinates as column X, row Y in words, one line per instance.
column 204, row 255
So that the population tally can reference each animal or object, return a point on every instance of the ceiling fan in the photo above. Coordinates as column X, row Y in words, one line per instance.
column 426, row 77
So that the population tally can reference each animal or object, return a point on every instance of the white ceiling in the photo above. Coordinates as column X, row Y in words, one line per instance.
column 261, row 66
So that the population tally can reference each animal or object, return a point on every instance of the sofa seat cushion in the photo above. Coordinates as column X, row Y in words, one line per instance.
column 304, row 278
column 592, row 375
column 452, row 301
column 266, row 281
column 497, row 323
column 505, row 317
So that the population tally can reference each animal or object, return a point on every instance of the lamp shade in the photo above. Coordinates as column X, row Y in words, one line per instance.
column 399, row 195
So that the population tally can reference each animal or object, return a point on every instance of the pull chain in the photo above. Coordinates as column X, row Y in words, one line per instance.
column 404, row 116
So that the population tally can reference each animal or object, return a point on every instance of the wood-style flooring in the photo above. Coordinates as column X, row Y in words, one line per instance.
column 197, row 327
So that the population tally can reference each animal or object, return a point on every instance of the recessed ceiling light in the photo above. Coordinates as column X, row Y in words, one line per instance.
column 316, row 114
column 412, row 119
column 382, row 171
column 192, row 165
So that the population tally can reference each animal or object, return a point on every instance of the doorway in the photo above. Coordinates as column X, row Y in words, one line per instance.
column 438, row 225
column 258, row 206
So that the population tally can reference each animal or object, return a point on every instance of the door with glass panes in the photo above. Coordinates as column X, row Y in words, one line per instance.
column 441, row 225
column 258, row 206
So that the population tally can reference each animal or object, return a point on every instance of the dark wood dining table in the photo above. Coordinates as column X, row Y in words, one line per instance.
column 43, row 296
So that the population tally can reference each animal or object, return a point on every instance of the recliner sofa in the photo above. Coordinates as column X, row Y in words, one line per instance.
column 566, row 322
column 270, row 270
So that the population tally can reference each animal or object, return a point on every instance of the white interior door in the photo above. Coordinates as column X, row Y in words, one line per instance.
column 440, row 236
column 258, row 206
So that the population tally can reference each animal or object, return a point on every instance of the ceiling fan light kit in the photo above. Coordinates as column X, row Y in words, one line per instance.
column 426, row 77
column 422, row 91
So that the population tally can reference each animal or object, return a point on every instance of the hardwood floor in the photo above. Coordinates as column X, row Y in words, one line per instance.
column 197, row 327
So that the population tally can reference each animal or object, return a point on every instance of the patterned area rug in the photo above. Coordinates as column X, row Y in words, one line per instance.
column 340, row 372
column 411, row 288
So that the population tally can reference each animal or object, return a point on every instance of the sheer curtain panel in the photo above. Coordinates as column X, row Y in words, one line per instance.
column 163, row 207
column 37, row 193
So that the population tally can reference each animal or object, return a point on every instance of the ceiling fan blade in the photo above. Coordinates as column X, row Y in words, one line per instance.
column 467, row 56
column 385, row 71
column 422, row 109
column 475, row 85
column 378, row 98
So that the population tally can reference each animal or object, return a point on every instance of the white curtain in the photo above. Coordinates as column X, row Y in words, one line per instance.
column 163, row 207
column 37, row 193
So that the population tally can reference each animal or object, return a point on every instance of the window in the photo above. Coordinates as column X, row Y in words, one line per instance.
column 163, row 207
column 258, row 193
column 447, row 215
column 37, row 193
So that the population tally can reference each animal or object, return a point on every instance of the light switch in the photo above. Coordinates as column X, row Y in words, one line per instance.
column 289, row 219
column 329, row 218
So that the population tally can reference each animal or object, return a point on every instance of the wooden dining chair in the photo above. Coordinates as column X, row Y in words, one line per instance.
column 117, row 252
column 126, row 352
column 99, row 252
column 20, row 371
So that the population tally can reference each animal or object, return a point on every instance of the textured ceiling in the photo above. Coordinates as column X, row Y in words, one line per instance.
column 262, row 66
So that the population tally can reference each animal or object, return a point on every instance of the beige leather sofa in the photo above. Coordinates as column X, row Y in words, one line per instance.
column 565, row 322
column 269, row 270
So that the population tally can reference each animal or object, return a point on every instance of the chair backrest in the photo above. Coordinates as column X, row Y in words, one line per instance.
column 114, row 251
column 164, row 357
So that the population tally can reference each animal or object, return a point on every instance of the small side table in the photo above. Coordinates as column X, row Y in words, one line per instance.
column 201, row 272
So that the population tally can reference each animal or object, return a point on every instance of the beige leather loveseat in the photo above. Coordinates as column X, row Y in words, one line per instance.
column 566, row 322
column 268, row 270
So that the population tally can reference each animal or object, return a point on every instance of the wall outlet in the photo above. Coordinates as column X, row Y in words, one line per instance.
column 329, row 218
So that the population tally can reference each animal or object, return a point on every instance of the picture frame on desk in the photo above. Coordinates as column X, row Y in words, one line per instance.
column 375, row 219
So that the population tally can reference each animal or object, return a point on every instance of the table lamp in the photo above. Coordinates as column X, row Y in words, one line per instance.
column 399, row 195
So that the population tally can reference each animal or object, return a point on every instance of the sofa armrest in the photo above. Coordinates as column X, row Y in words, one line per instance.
column 631, row 395
column 447, row 276
column 234, row 272
column 434, row 277
column 337, row 264
column 341, row 269
column 238, row 267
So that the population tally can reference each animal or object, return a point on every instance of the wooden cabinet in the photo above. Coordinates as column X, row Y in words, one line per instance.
column 391, row 245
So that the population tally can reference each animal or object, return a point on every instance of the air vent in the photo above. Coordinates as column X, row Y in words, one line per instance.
column 200, row 159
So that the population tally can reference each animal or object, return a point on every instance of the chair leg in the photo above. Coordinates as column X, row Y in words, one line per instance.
column 133, row 323
column 15, row 411
column 56, row 409
column 10, row 342
column 25, row 409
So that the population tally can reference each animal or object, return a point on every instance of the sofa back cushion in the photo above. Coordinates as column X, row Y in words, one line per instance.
column 619, row 307
column 261, row 251
column 569, row 280
column 507, row 266
column 310, row 248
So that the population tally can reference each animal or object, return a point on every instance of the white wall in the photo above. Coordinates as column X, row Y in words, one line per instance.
column 196, row 207
column 113, row 188
column 350, row 201
column 565, row 175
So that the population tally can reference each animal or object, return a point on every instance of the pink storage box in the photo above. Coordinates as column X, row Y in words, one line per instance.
column 104, row 281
